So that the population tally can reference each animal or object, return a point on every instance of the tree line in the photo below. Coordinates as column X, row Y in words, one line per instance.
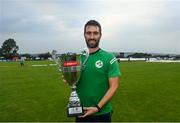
column 9, row 50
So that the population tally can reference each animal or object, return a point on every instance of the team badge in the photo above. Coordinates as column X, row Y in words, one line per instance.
column 99, row 64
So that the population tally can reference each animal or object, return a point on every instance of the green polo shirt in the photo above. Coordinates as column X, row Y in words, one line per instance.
column 94, row 80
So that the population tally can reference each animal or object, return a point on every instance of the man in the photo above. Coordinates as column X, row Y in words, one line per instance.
column 99, row 79
column 22, row 62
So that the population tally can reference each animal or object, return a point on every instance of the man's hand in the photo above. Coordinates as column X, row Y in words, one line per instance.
column 89, row 111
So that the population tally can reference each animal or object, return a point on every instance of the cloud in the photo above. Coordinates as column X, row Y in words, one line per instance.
column 128, row 25
column 148, row 26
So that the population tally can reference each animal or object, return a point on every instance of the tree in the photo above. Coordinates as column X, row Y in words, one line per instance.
column 177, row 57
column 9, row 49
column 44, row 55
column 140, row 55
column 1, row 52
column 27, row 55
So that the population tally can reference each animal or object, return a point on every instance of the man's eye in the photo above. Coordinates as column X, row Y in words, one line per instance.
column 88, row 33
column 96, row 33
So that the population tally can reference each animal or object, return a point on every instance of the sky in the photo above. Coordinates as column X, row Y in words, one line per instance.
column 39, row 26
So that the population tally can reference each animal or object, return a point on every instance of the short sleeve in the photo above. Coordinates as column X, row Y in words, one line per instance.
column 114, row 69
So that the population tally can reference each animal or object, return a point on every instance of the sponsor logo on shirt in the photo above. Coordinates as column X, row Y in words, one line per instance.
column 99, row 64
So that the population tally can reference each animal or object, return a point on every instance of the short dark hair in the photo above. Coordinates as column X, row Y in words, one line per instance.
column 92, row 23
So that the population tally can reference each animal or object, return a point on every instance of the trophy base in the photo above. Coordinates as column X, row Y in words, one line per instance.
column 75, row 111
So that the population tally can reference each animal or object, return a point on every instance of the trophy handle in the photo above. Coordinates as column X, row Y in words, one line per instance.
column 85, row 53
column 54, row 57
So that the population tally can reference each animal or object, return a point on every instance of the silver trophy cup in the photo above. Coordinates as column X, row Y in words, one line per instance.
column 70, row 66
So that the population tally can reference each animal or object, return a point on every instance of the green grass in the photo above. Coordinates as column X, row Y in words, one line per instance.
column 147, row 92
column 32, row 93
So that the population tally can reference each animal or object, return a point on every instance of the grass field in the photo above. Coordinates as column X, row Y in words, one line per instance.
column 147, row 92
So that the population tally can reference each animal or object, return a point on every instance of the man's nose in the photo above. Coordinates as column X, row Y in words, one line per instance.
column 91, row 36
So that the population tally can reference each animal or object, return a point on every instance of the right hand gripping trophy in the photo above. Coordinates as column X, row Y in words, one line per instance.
column 70, row 65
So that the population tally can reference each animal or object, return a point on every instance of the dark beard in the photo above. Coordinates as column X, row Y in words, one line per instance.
column 92, row 45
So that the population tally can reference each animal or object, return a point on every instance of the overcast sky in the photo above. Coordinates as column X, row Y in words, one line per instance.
column 40, row 26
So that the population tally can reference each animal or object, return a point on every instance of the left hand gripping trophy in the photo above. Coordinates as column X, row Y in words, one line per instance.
column 70, row 66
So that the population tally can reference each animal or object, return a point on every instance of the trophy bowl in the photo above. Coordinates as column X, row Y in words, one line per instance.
column 70, row 67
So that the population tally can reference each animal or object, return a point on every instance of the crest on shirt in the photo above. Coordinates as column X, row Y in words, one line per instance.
column 99, row 64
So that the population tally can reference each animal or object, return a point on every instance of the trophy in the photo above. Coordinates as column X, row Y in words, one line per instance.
column 70, row 65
